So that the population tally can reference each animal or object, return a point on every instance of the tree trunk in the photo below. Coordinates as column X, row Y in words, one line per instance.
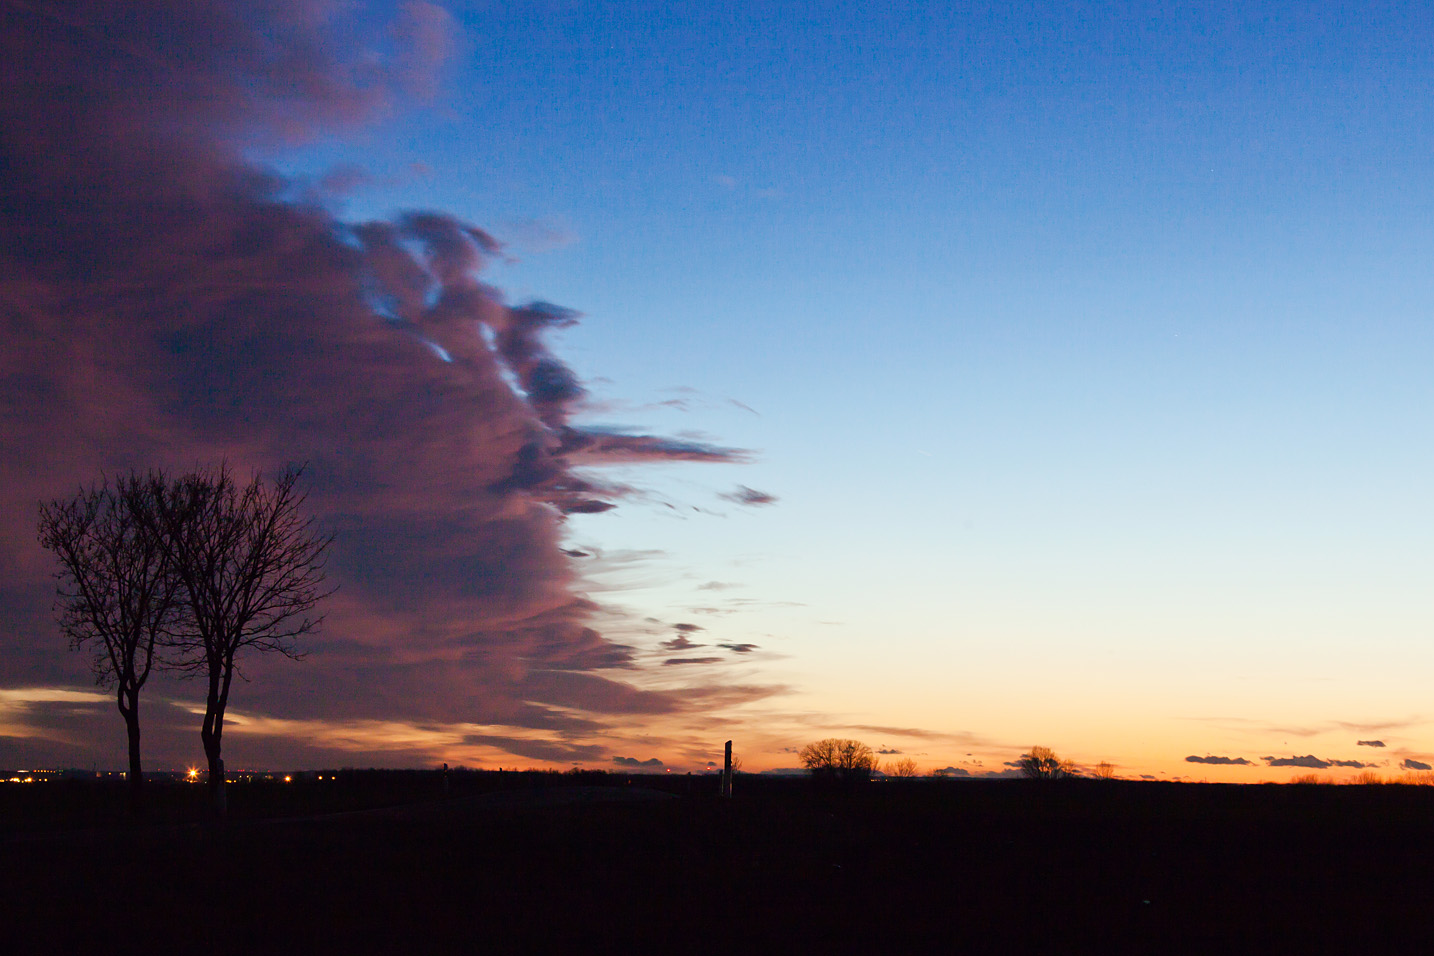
column 135, row 777
column 216, row 771
column 210, row 733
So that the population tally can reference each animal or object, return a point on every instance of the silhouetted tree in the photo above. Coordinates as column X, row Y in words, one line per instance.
column 1041, row 763
column 250, row 565
column 905, row 767
column 838, row 759
column 1105, row 770
column 116, row 591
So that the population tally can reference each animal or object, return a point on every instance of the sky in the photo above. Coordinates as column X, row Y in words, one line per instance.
column 953, row 380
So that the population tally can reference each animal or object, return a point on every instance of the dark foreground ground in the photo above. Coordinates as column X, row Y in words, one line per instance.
column 544, row 864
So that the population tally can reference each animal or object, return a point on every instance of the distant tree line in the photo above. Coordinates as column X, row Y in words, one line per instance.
column 189, row 573
column 838, row 759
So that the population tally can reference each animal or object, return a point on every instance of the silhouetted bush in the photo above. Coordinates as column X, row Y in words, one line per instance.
column 1041, row 763
column 838, row 760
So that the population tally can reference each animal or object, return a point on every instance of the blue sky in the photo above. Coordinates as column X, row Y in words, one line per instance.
column 1092, row 330
column 1084, row 347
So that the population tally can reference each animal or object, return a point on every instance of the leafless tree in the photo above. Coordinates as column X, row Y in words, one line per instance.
column 116, row 591
column 1105, row 770
column 250, row 565
column 1041, row 763
column 839, row 759
column 905, row 767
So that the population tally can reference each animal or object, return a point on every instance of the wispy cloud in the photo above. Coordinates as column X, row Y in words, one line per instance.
column 1263, row 728
column 38, row 712
column 1394, row 724
column 536, row 235
column 749, row 496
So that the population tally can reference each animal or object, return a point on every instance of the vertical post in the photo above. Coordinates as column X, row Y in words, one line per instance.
column 727, row 774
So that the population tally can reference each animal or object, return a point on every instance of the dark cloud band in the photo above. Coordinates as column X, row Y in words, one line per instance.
column 1225, row 761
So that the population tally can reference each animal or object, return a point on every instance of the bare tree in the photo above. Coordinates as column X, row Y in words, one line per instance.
column 1105, row 770
column 251, row 569
column 116, row 591
column 905, row 767
column 838, row 759
column 1041, row 763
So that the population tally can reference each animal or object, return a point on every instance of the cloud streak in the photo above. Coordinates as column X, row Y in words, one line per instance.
column 1222, row 761
column 749, row 496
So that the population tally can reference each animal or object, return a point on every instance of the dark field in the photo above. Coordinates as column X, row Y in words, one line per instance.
column 540, row 863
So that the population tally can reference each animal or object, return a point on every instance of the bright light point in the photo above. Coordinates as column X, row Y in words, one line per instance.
column 287, row 779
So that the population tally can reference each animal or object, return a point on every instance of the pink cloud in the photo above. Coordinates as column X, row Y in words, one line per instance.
column 166, row 304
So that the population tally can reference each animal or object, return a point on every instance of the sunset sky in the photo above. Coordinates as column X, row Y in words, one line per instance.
column 956, row 380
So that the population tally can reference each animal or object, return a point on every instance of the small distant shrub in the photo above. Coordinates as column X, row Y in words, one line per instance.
column 1365, row 778
column 1309, row 778
column 1105, row 770
column 1415, row 778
